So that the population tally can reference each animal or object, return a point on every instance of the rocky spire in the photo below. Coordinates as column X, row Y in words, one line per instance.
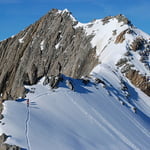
column 36, row 51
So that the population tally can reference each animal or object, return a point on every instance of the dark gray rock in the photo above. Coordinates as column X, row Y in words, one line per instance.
column 46, row 80
column 122, row 62
column 4, row 146
column 69, row 84
column 97, row 81
column 126, row 68
column 3, row 138
column 1, row 116
column 137, row 44
column 85, row 81
column 54, row 81
column 107, row 19
column 114, row 32
column 9, row 147
column 122, row 18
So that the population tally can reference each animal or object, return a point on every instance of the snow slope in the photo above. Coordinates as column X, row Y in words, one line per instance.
column 93, row 116
column 90, row 118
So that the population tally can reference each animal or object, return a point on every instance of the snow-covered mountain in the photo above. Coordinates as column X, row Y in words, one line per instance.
column 77, row 86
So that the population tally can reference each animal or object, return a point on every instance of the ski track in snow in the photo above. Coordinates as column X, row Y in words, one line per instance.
column 95, row 117
column 90, row 117
column 119, row 134
column 27, row 128
column 132, row 119
column 94, row 120
column 136, row 123
column 42, row 94
column 28, row 120
column 127, row 114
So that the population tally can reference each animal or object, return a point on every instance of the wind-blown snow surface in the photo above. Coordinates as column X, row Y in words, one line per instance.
column 89, row 118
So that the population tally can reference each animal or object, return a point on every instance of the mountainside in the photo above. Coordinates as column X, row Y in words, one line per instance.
column 123, row 47
column 77, row 86
column 57, row 38
column 36, row 51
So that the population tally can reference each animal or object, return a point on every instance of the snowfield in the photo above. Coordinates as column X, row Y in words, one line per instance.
column 92, row 116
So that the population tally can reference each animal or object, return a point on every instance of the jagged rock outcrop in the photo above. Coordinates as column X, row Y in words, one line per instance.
column 36, row 51
column 69, row 85
column 121, row 37
column 4, row 146
column 3, row 138
column 1, row 109
column 120, row 18
column 139, row 80
column 9, row 147
column 54, row 81
column 46, row 80
column 140, row 45
column 137, row 44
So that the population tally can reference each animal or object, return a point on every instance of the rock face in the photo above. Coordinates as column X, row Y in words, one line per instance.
column 121, row 37
column 120, row 18
column 9, row 147
column 139, row 80
column 137, row 44
column 40, row 48
column 4, row 146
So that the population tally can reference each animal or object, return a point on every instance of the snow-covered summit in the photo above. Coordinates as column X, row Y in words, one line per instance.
column 105, row 34
column 120, row 45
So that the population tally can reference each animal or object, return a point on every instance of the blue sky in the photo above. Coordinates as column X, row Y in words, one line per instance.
column 15, row 15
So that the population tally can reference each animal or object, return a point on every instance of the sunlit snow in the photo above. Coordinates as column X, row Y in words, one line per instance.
column 91, row 117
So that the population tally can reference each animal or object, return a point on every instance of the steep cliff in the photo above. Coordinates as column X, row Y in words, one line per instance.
column 37, row 50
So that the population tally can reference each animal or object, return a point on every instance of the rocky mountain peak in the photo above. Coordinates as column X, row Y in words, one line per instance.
column 36, row 51
column 58, row 44
column 120, row 18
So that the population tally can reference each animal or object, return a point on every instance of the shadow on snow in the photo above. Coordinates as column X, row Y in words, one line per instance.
column 78, row 84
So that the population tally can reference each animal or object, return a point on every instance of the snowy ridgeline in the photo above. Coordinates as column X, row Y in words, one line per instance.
column 110, row 52
column 89, row 117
